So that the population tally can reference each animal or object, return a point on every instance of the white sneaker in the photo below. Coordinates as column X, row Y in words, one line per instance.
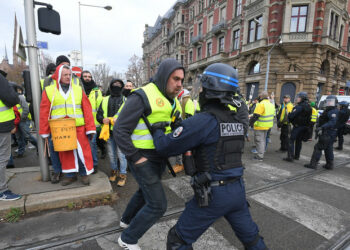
column 123, row 225
column 128, row 246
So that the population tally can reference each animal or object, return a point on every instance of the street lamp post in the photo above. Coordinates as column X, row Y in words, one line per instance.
column 81, row 42
column 279, row 41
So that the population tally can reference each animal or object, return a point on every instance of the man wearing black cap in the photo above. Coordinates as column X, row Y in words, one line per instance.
column 286, row 107
column 157, row 102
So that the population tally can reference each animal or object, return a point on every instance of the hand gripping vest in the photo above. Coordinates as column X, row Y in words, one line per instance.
column 160, row 110
column 229, row 148
column 6, row 113
column 71, row 107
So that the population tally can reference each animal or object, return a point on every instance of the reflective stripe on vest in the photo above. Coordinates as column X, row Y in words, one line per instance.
column 62, row 108
column 6, row 113
column 161, row 111
column 314, row 115
column 266, row 120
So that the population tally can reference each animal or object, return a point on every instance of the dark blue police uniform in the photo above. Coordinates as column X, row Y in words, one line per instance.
column 300, row 118
column 203, row 129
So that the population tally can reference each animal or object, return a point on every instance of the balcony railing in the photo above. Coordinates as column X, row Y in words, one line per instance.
column 219, row 27
column 196, row 39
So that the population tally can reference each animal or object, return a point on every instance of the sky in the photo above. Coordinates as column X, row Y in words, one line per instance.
column 110, row 37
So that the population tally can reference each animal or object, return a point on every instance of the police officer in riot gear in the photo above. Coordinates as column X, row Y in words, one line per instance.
column 343, row 117
column 216, row 138
column 326, row 130
column 300, row 117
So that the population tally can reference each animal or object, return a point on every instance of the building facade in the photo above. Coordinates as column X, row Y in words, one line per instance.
column 308, row 41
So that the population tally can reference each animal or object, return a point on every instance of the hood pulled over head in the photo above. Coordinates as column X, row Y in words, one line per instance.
column 116, row 90
column 166, row 68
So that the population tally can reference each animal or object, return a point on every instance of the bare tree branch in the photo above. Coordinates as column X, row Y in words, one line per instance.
column 135, row 70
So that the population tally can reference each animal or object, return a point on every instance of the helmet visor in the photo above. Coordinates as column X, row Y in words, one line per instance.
column 330, row 102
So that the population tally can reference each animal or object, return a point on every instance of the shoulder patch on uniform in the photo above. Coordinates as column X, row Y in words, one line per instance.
column 231, row 129
column 334, row 115
column 178, row 132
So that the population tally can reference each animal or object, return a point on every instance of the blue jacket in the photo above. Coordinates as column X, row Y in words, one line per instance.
column 200, row 129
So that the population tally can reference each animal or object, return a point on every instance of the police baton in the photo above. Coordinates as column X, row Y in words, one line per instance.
column 149, row 127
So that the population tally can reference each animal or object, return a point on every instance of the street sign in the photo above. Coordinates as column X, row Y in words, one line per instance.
column 341, row 92
column 20, row 49
column 42, row 45
column 77, row 71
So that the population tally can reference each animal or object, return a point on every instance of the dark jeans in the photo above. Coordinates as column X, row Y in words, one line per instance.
column 148, row 203
column 284, row 137
column 195, row 220
column 295, row 141
column 55, row 158
column 23, row 135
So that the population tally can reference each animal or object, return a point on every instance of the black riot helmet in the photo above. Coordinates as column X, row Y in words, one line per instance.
column 302, row 96
column 219, row 81
column 343, row 104
column 331, row 101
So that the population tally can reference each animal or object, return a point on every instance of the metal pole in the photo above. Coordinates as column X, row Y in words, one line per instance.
column 267, row 68
column 81, row 42
column 35, row 81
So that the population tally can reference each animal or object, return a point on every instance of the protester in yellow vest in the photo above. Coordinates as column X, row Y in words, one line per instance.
column 313, row 120
column 107, row 110
column 157, row 102
column 8, row 99
column 262, row 120
column 95, row 97
column 63, row 100
column 282, row 122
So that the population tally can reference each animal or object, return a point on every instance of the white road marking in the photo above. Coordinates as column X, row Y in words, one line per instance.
column 308, row 158
column 268, row 171
column 341, row 156
column 322, row 218
column 334, row 179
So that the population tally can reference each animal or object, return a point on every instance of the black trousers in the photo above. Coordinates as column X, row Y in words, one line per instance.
column 284, row 136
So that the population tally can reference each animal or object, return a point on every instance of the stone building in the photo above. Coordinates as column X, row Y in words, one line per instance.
column 308, row 41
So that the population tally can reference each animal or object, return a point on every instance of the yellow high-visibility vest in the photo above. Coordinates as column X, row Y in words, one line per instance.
column 62, row 108
column 19, row 108
column 289, row 107
column 95, row 98
column 161, row 111
column 314, row 115
column 6, row 113
column 266, row 119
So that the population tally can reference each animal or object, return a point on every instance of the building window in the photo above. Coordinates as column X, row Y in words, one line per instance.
column 235, row 41
column 190, row 56
column 182, row 59
column 223, row 13
column 183, row 18
column 191, row 13
column 348, row 45
column 255, row 29
column 210, row 22
column 200, row 29
column 177, row 57
column 191, row 34
column 333, row 25
column 200, row 6
column 341, row 36
column 221, row 44
column 254, row 69
column 209, row 49
column 238, row 10
column 298, row 19
column 199, row 53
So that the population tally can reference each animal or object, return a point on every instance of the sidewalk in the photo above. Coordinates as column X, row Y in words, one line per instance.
column 40, row 196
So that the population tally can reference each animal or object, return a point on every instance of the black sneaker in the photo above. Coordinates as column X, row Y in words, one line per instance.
column 310, row 166
column 288, row 159
column 55, row 178
column 10, row 166
column 296, row 157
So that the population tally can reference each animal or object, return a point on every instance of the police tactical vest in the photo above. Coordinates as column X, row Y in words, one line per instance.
column 6, row 113
column 304, row 118
column 229, row 148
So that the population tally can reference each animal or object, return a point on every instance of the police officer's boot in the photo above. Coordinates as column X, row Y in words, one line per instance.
column 290, row 157
column 329, row 165
column 174, row 241
column 339, row 147
column 313, row 162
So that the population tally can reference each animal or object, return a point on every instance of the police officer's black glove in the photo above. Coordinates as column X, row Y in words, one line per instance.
column 159, row 125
